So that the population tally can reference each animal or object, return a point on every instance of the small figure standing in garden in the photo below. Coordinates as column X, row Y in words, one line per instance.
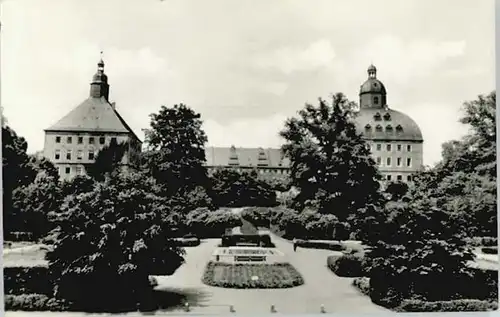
column 294, row 245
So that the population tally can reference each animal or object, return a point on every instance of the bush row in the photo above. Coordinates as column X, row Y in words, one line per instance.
column 490, row 250
column 188, row 242
column 279, row 275
column 263, row 240
column 482, row 241
column 325, row 245
column 17, row 236
column 33, row 302
column 307, row 224
column 347, row 265
column 362, row 284
column 27, row 280
column 466, row 305
column 205, row 223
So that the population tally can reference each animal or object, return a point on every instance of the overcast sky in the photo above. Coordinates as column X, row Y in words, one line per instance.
column 245, row 65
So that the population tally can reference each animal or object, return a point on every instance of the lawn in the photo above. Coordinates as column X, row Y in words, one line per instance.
column 280, row 275
column 25, row 256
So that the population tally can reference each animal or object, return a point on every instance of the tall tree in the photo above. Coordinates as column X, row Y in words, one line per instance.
column 330, row 162
column 176, row 150
column 17, row 171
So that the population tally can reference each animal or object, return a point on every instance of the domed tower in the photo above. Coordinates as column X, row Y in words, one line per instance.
column 99, row 86
column 372, row 93
column 394, row 138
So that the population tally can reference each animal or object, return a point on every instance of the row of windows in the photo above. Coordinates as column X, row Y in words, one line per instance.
column 67, row 170
column 79, row 140
column 388, row 147
column 398, row 177
column 388, row 129
column 79, row 155
column 399, row 161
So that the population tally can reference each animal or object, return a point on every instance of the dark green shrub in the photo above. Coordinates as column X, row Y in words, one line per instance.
column 362, row 284
column 345, row 265
column 326, row 245
column 490, row 250
column 489, row 241
column 33, row 302
column 27, row 280
column 467, row 305
column 19, row 236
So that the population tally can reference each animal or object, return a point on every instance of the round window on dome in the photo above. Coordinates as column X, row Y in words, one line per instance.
column 368, row 128
column 388, row 129
column 399, row 128
column 387, row 117
column 377, row 117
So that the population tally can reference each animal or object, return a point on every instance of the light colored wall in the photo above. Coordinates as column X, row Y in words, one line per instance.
column 416, row 155
column 50, row 147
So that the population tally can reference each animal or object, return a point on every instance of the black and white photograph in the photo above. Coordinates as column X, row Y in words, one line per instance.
column 248, row 157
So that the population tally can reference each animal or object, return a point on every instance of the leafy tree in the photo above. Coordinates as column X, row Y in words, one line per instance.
column 176, row 150
column 396, row 190
column 108, row 161
column 330, row 162
column 33, row 203
column 17, row 172
column 238, row 189
column 111, row 239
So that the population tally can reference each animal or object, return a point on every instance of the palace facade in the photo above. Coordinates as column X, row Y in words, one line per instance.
column 394, row 138
column 75, row 140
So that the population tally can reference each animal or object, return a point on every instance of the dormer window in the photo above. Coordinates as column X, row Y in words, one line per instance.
column 388, row 129
column 378, row 128
column 399, row 128
column 377, row 117
column 233, row 157
column 387, row 116
column 368, row 128
column 262, row 159
column 375, row 100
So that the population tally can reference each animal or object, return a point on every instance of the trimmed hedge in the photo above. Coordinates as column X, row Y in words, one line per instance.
column 33, row 302
column 279, row 275
column 461, row 305
column 27, row 280
column 489, row 250
column 188, row 242
column 19, row 236
column 362, row 284
column 482, row 241
column 325, row 245
column 346, row 265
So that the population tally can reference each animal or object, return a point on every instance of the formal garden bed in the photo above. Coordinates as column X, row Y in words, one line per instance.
column 279, row 275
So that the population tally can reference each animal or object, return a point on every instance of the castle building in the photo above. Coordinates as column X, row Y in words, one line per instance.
column 74, row 141
column 395, row 140
column 270, row 162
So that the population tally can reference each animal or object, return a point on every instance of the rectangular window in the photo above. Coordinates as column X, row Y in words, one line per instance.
column 69, row 140
column 68, row 155
column 389, row 177
column 58, row 139
column 102, row 140
column 113, row 139
column 408, row 148
column 91, row 140
column 379, row 147
column 400, row 177
column 80, row 140
column 399, row 147
column 68, row 170
column 408, row 178
column 408, row 162
column 79, row 170
column 91, row 155
column 79, row 155
column 399, row 161
column 389, row 148
column 388, row 161
column 57, row 155
column 379, row 161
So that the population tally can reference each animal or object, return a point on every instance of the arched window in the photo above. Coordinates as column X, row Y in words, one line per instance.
column 388, row 129
column 378, row 128
column 399, row 128
column 387, row 116
column 377, row 117
column 368, row 128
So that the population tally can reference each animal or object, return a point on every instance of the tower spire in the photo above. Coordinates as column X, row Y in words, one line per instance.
column 99, row 86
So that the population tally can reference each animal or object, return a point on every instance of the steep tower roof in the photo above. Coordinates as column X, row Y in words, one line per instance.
column 94, row 114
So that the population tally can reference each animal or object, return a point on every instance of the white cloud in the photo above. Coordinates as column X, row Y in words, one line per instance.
column 275, row 88
column 258, row 132
column 319, row 54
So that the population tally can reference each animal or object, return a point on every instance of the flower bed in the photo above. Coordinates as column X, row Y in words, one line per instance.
column 280, row 275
